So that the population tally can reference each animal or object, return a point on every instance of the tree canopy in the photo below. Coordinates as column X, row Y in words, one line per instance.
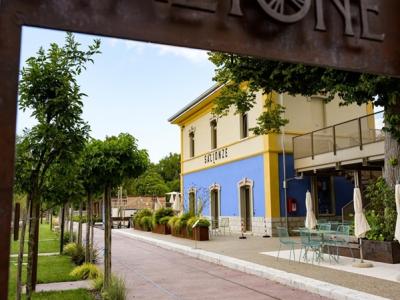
column 267, row 76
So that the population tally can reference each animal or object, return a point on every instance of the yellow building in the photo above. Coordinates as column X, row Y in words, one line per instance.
column 247, row 179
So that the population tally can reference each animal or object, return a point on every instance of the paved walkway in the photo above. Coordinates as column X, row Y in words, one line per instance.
column 250, row 250
column 151, row 272
column 62, row 286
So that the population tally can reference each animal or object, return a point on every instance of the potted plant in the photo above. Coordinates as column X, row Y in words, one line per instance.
column 379, row 244
column 160, row 220
column 146, row 224
column 201, row 231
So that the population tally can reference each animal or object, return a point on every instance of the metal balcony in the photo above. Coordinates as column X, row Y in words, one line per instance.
column 355, row 141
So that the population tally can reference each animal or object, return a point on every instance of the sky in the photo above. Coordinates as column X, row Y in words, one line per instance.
column 132, row 87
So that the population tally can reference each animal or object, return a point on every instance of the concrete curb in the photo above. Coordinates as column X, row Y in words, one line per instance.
column 289, row 279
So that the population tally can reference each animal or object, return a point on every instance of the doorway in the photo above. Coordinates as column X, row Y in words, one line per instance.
column 192, row 202
column 245, row 207
column 324, row 195
column 214, row 204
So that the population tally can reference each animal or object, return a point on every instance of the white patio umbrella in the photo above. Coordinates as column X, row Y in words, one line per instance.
column 311, row 221
column 361, row 226
column 397, row 231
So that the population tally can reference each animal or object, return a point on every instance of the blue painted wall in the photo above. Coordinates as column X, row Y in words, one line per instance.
column 228, row 176
column 295, row 188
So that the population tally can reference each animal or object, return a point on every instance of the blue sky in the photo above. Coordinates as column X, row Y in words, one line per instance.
column 132, row 87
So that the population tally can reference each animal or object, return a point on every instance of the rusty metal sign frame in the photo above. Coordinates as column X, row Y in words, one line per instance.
column 358, row 35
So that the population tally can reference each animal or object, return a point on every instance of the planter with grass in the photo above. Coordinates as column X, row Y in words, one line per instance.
column 161, row 218
column 379, row 244
column 201, row 231
column 143, row 220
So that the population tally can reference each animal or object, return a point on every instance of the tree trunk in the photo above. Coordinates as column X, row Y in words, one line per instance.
column 88, row 216
column 392, row 149
column 107, row 237
column 51, row 219
column 61, row 221
column 91, row 231
column 71, row 224
column 34, row 210
column 80, row 224
column 21, row 252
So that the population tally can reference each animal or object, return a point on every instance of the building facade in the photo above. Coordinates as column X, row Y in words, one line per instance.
column 250, row 179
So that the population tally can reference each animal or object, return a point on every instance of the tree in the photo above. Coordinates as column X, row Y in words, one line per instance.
column 48, row 88
column 150, row 184
column 114, row 160
column 169, row 167
column 268, row 76
column 92, row 185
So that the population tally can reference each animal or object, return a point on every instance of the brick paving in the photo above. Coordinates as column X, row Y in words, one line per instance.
column 154, row 273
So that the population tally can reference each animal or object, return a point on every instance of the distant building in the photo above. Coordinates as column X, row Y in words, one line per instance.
column 242, row 175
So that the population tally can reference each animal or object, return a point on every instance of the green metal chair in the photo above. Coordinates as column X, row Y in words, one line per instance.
column 308, row 243
column 342, row 239
column 285, row 240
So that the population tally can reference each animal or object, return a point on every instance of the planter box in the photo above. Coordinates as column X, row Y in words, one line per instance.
column 140, row 228
column 386, row 252
column 201, row 234
column 161, row 229
column 380, row 251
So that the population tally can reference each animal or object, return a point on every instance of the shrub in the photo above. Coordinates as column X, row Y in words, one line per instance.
column 140, row 214
column 67, row 235
column 165, row 220
column 381, row 213
column 161, row 213
column 86, row 271
column 202, row 222
column 172, row 223
column 98, row 282
column 146, row 222
column 76, row 252
column 69, row 249
column 116, row 290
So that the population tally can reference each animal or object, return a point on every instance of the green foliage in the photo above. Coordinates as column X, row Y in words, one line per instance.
column 98, row 282
column 296, row 79
column 116, row 290
column 146, row 223
column 173, row 223
column 161, row 213
column 115, row 159
column 67, row 236
column 159, row 179
column 140, row 214
column 165, row 220
column 381, row 211
column 69, row 249
column 48, row 87
column 202, row 222
column 86, row 271
column 150, row 184
column 169, row 167
column 76, row 252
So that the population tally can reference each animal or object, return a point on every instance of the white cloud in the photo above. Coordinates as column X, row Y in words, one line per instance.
column 193, row 55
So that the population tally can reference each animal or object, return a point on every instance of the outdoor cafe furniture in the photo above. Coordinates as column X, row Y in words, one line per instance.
column 286, row 241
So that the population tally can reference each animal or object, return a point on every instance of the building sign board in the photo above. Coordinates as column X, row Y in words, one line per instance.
column 358, row 35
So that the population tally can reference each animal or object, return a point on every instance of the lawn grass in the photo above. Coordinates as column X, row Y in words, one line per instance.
column 50, row 269
column 48, row 241
column 65, row 295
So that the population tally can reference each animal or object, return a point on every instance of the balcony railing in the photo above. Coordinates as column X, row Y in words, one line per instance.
column 353, row 133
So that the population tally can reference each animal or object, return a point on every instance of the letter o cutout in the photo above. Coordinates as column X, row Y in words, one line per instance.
column 286, row 11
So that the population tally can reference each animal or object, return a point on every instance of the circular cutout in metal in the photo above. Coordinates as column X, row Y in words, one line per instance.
column 286, row 11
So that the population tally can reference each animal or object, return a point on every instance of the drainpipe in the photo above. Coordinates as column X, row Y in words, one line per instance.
column 284, row 164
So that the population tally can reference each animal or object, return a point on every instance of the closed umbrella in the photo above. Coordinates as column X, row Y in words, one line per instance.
column 361, row 226
column 397, row 231
column 311, row 221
